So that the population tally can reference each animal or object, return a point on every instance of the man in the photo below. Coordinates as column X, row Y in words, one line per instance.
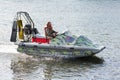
column 49, row 32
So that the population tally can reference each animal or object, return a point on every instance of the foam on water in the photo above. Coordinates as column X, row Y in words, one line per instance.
column 8, row 49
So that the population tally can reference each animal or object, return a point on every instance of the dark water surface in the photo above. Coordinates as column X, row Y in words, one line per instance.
column 99, row 20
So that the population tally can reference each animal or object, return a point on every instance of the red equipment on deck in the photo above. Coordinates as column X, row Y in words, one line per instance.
column 40, row 40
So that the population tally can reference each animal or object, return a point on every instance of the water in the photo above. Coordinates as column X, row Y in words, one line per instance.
column 97, row 19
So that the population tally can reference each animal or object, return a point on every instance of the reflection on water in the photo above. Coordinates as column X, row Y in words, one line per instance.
column 52, row 68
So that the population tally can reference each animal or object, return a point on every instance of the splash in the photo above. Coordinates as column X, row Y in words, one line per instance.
column 8, row 49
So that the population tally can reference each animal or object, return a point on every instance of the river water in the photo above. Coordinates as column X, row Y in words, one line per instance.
column 99, row 20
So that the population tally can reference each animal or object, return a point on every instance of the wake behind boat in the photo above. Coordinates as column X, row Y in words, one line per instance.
column 30, row 41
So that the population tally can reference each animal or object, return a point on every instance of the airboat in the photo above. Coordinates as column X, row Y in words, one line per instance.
column 30, row 41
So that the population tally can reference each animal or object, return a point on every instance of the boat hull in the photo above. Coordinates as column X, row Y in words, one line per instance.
column 57, row 50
